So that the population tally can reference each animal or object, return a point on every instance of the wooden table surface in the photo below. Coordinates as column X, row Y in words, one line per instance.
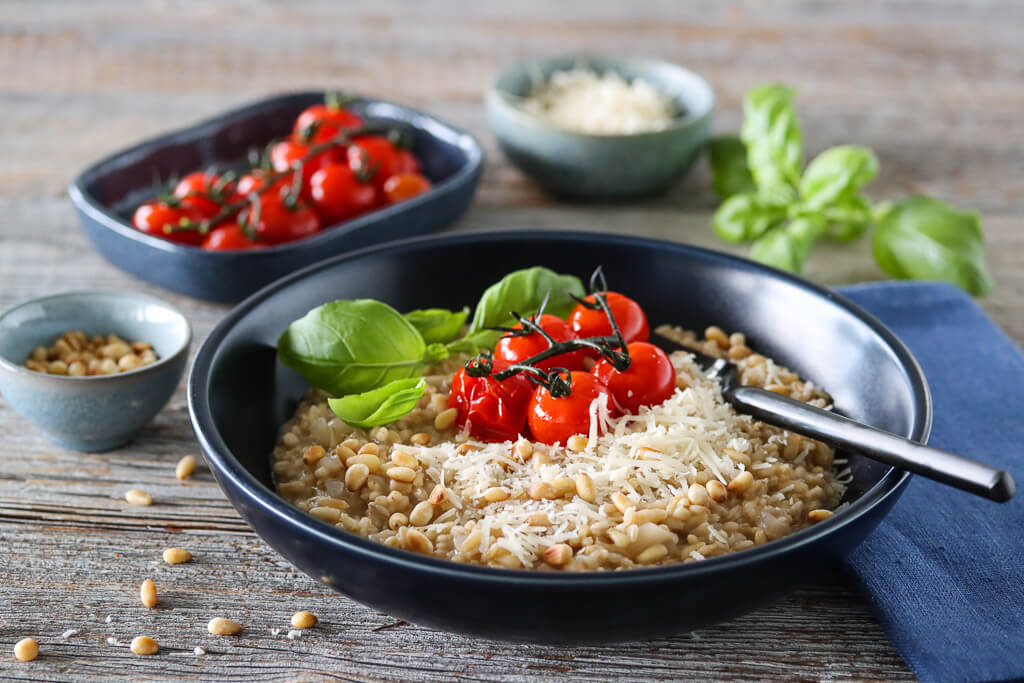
column 936, row 88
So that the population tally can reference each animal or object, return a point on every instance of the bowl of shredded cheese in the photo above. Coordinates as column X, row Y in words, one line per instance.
column 600, row 128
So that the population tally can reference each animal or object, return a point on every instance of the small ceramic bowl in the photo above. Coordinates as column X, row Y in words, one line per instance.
column 101, row 412
column 601, row 167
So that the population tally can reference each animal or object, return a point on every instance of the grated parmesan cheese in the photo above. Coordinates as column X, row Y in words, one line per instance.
column 580, row 100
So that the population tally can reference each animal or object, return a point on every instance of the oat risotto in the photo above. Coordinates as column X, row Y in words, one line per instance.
column 680, row 481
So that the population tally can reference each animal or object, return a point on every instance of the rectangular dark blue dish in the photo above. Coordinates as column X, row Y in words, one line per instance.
column 106, row 194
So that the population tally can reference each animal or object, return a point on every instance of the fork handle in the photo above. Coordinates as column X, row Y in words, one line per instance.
column 933, row 463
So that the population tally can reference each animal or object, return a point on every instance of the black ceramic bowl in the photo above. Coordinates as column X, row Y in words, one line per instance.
column 106, row 194
column 239, row 394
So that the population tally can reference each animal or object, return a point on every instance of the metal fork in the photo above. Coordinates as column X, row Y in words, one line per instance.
column 842, row 432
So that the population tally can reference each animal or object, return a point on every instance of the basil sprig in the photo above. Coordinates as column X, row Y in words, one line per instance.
column 782, row 210
column 371, row 357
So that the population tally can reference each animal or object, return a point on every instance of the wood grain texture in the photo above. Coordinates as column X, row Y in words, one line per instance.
column 936, row 88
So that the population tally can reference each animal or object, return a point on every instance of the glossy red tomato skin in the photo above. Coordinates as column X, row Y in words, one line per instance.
column 287, row 152
column 255, row 180
column 649, row 380
column 329, row 122
column 198, row 191
column 337, row 194
column 375, row 157
column 278, row 223
column 554, row 420
column 152, row 217
column 403, row 186
column 405, row 162
column 496, row 411
column 229, row 236
column 516, row 349
column 632, row 321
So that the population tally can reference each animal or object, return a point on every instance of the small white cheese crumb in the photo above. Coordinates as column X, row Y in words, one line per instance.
column 198, row 651
column 275, row 631
column 110, row 618
column 294, row 633
column 70, row 632
column 111, row 640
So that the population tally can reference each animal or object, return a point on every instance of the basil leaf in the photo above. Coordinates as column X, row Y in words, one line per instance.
column 348, row 347
column 837, row 173
column 771, row 132
column 849, row 218
column 438, row 324
column 523, row 291
column 379, row 406
column 783, row 249
column 925, row 239
column 729, row 173
column 746, row 217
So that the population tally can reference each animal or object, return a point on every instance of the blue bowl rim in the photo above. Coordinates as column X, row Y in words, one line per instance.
column 91, row 206
column 219, row 456
column 500, row 97
column 21, row 370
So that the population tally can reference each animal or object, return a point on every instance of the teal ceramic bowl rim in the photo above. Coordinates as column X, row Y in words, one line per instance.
column 11, row 366
column 504, row 99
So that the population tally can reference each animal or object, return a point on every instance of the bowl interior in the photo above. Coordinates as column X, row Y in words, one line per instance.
column 133, row 317
column 691, row 94
column 248, row 393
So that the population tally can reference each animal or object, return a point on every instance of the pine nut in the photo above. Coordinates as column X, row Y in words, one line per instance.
column 465, row 448
column 496, row 494
column 652, row 554
column 741, row 482
column 438, row 495
column 326, row 514
column 403, row 474
column 558, row 555
column 138, row 497
column 312, row 455
column 652, row 515
column 524, row 449
column 144, row 645
column 585, row 487
column 185, row 467
column 577, row 443
column 541, row 490
column 698, row 495
column 564, row 486
column 370, row 448
column 57, row 367
column 129, row 362
column 304, row 619
column 26, row 649
column 176, row 555
column 404, row 459
column 421, row 514
column 715, row 334
column 716, row 490
column 219, row 626
column 472, row 541
column 371, row 461
column 356, row 476
column 77, row 369
column 417, row 542
column 397, row 520
column 445, row 419
column 420, row 439
column 621, row 502
column 815, row 516
column 147, row 593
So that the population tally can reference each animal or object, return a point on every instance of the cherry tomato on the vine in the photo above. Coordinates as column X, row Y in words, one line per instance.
column 515, row 349
column 203, row 192
column 285, row 153
column 554, row 420
column 337, row 193
column 405, row 162
column 277, row 222
column 588, row 322
column 254, row 180
column 229, row 236
column 154, row 217
column 649, row 379
column 496, row 411
column 402, row 186
column 375, row 157
column 329, row 121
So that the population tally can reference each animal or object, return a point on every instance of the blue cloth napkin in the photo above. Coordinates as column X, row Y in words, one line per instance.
column 945, row 570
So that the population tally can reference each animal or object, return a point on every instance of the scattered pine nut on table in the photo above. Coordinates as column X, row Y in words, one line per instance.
column 138, row 497
column 220, row 626
column 177, row 555
column 26, row 649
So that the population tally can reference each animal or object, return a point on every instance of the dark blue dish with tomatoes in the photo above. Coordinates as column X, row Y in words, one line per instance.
column 249, row 378
column 263, row 190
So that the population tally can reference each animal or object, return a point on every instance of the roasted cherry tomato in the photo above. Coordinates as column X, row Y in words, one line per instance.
column 516, row 349
column 588, row 322
column 329, row 121
column 229, row 236
column 496, row 411
column 375, row 157
column 402, row 186
column 285, row 153
column 153, row 217
column 277, row 222
column 649, row 380
column 554, row 420
column 254, row 180
column 337, row 193
column 203, row 192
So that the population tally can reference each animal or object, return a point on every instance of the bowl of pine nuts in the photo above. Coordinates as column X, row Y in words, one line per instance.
column 91, row 368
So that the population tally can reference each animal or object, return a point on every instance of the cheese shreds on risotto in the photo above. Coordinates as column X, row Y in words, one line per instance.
column 636, row 495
